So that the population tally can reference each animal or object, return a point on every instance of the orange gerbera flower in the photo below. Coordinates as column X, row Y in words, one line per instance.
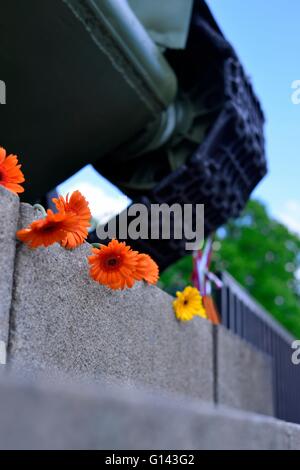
column 10, row 173
column 76, row 206
column 114, row 265
column 44, row 232
column 146, row 269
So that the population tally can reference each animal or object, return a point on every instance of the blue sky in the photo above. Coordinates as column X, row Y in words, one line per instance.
column 266, row 36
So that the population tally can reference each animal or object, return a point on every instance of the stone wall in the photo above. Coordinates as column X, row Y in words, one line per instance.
column 56, row 318
column 242, row 371
column 9, row 213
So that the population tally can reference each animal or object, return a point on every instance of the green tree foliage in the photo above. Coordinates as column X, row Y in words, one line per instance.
column 261, row 254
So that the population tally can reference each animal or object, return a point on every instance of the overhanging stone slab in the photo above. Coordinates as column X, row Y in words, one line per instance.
column 66, row 415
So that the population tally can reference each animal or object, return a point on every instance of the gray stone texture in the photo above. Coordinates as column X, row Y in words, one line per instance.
column 45, row 415
column 243, row 374
column 61, row 319
column 292, row 435
column 9, row 213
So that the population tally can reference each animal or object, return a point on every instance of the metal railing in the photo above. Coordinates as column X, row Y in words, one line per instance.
column 246, row 318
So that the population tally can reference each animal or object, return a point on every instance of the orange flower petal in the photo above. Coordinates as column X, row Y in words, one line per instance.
column 146, row 269
column 2, row 154
column 45, row 232
column 113, row 265
column 77, row 207
column 10, row 173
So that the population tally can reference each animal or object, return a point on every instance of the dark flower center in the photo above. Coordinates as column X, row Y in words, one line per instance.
column 185, row 302
column 49, row 227
column 112, row 262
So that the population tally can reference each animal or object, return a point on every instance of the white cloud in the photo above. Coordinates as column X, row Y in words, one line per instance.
column 290, row 215
column 103, row 206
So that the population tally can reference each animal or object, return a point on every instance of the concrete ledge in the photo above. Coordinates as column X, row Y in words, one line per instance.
column 293, row 435
column 9, row 214
column 69, row 416
column 243, row 374
column 61, row 319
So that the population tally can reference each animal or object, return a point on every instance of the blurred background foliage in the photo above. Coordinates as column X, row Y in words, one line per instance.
column 262, row 255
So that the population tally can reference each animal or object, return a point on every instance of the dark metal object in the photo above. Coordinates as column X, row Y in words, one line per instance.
column 216, row 154
column 244, row 317
column 90, row 86
column 74, row 71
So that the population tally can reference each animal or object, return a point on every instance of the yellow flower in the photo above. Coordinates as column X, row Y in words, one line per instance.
column 189, row 304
